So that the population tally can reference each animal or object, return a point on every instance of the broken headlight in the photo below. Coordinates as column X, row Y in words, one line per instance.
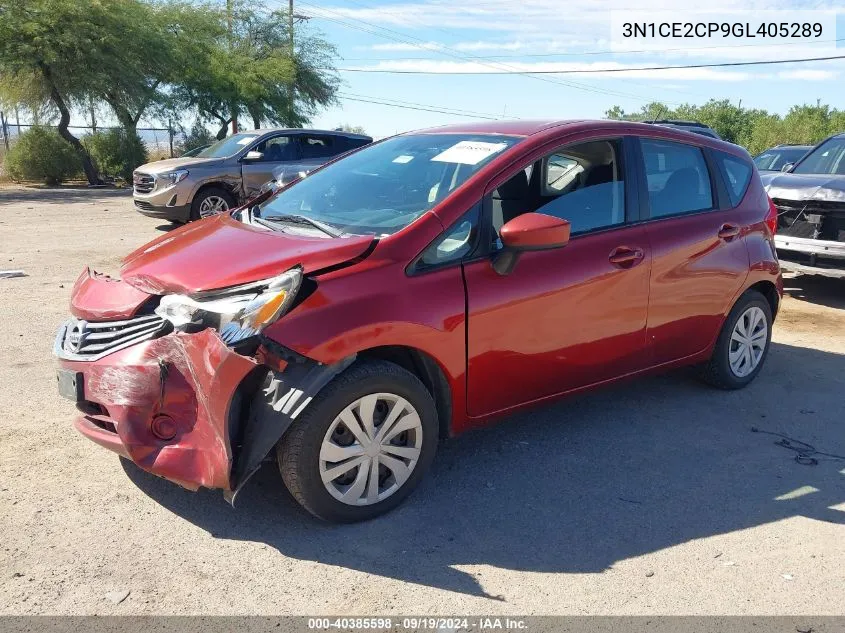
column 235, row 312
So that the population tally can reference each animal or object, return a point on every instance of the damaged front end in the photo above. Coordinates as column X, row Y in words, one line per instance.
column 186, row 387
column 811, row 224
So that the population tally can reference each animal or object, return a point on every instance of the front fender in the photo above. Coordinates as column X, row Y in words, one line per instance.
column 351, row 312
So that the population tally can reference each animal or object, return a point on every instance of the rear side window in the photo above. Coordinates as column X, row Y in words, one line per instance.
column 677, row 177
column 318, row 146
column 736, row 174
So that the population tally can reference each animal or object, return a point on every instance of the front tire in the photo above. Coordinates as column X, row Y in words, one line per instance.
column 211, row 201
column 363, row 444
column 743, row 343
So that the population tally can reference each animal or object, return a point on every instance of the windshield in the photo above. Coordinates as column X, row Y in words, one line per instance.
column 384, row 187
column 775, row 159
column 827, row 158
column 228, row 146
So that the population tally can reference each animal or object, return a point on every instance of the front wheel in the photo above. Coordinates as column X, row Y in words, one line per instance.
column 363, row 445
column 742, row 345
column 211, row 201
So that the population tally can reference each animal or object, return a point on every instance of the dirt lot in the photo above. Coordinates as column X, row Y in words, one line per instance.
column 652, row 497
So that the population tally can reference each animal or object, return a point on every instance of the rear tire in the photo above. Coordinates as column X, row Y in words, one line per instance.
column 320, row 443
column 209, row 199
column 742, row 346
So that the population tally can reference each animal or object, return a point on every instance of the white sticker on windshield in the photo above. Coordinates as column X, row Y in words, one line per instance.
column 247, row 140
column 403, row 159
column 469, row 152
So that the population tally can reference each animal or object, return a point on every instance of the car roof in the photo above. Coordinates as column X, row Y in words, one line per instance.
column 550, row 128
column 301, row 130
column 519, row 127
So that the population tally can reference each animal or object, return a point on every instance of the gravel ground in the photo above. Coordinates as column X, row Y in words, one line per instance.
column 651, row 497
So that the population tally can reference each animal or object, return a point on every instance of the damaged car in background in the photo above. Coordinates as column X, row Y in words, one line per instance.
column 417, row 288
column 810, row 199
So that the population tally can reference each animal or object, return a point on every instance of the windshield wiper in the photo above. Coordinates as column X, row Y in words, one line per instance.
column 303, row 219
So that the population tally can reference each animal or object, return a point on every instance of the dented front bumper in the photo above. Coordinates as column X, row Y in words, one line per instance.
column 181, row 385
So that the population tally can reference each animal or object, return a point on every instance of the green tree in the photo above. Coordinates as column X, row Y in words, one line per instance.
column 197, row 136
column 123, row 52
column 160, row 41
column 251, row 73
column 753, row 128
column 68, row 48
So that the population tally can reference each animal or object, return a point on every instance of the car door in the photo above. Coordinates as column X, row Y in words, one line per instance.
column 699, row 258
column 566, row 318
column 276, row 151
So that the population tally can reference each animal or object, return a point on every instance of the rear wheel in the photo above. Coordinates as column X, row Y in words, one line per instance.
column 211, row 201
column 742, row 345
column 363, row 445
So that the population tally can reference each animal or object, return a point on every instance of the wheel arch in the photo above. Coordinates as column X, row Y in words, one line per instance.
column 427, row 369
column 229, row 187
column 770, row 292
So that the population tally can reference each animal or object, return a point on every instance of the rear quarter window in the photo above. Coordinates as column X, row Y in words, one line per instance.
column 736, row 173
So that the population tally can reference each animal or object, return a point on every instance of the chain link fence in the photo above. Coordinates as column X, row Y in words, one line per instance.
column 160, row 142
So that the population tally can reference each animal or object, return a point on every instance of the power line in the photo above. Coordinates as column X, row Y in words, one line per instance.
column 605, row 52
column 409, row 107
column 590, row 70
column 443, row 109
column 445, row 50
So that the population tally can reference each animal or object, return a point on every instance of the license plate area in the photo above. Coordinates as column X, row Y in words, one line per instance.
column 70, row 384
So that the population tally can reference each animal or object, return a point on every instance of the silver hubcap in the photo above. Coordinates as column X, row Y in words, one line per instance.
column 748, row 342
column 370, row 449
column 213, row 205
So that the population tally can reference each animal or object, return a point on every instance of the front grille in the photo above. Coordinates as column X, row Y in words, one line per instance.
column 142, row 204
column 87, row 340
column 143, row 183
column 813, row 219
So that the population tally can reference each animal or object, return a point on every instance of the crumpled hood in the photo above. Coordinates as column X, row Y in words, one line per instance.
column 220, row 252
column 822, row 187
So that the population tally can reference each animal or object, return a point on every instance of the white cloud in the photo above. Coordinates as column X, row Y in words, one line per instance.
column 547, row 26
column 808, row 75
column 399, row 46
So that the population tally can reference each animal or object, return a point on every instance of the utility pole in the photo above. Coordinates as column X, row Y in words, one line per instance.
column 229, row 28
column 292, row 61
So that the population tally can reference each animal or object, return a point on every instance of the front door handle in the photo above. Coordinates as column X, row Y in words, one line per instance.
column 625, row 257
column 728, row 231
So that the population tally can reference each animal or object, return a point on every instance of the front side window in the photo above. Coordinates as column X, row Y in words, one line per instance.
column 827, row 158
column 382, row 188
column 677, row 176
column 582, row 183
column 228, row 146
column 277, row 149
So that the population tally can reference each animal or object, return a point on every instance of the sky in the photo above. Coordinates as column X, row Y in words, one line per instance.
column 495, row 36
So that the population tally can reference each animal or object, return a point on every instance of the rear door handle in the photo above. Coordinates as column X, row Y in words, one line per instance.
column 625, row 257
column 728, row 231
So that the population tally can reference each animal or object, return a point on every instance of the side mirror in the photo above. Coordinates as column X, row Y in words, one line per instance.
column 529, row 232
column 787, row 167
column 253, row 155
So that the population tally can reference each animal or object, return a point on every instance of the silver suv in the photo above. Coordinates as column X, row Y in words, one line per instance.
column 233, row 170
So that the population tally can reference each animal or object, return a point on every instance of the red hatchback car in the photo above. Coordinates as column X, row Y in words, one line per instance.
column 415, row 289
